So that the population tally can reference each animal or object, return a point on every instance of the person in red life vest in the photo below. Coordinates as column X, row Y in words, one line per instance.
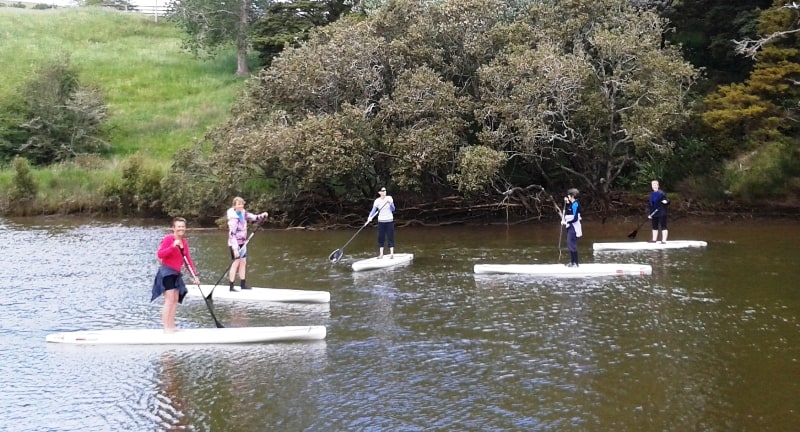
column 173, row 253
column 237, row 237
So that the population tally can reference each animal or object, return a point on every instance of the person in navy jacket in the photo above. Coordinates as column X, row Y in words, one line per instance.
column 657, row 212
column 572, row 220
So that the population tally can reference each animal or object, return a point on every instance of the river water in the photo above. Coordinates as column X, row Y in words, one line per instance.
column 709, row 342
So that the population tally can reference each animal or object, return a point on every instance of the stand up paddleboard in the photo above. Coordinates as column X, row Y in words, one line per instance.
column 560, row 270
column 261, row 294
column 671, row 244
column 227, row 335
column 377, row 263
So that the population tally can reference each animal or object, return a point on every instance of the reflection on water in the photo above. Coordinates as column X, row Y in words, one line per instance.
column 710, row 341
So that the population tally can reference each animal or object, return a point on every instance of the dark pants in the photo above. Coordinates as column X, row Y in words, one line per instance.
column 385, row 232
column 572, row 240
column 659, row 222
column 572, row 245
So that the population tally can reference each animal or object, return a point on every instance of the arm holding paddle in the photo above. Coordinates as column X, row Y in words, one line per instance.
column 193, row 271
column 235, row 230
column 183, row 247
column 238, row 218
column 337, row 254
column 173, row 252
column 376, row 210
column 658, row 211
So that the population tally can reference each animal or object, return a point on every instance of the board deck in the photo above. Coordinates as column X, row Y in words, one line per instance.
column 261, row 294
column 671, row 244
column 560, row 270
column 377, row 263
column 227, row 335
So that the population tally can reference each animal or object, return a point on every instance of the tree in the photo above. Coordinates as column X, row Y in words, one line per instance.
column 758, row 121
column 750, row 47
column 63, row 118
column 211, row 24
column 290, row 23
column 706, row 30
column 444, row 98
column 589, row 93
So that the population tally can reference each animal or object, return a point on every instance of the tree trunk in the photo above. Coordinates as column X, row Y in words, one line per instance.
column 241, row 62
column 241, row 41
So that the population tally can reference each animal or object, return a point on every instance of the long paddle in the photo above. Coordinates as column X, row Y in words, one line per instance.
column 229, row 267
column 336, row 255
column 210, row 309
column 561, row 230
column 633, row 233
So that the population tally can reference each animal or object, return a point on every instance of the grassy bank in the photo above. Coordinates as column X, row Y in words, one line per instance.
column 160, row 97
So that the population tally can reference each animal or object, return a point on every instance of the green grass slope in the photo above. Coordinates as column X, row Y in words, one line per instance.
column 160, row 97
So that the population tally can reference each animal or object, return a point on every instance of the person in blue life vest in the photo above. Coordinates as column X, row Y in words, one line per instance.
column 572, row 220
column 383, row 207
column 657, row 212
column 237, row 237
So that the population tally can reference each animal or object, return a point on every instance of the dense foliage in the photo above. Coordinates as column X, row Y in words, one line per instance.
column 56, row 118
column 479, row 104
column 290, row 23
column 757, row 122
column 456, row 97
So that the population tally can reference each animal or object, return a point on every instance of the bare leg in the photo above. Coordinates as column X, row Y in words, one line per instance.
column 234, row 268
column 242, row 268
column 232, row 273
column 170, row 307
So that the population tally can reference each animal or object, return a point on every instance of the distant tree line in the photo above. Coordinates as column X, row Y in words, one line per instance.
column 479, row 106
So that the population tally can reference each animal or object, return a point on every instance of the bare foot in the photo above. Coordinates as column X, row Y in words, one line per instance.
column 170, row 330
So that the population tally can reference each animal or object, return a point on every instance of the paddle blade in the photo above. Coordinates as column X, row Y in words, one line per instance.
column 335, row 256
column 633, row 233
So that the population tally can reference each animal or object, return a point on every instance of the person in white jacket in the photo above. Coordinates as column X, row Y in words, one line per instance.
column 383, row 207
column 572, row 220
column 237, row 237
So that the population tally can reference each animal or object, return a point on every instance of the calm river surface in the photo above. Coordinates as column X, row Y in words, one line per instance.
column 709, row 342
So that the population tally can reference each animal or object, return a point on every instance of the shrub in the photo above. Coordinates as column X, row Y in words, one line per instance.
column 23, row 187
column 63, row 117
column 138, row 191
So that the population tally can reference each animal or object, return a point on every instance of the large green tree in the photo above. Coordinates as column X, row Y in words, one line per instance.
column 467, row 97
column 757, row 122
column 706, row 30
column 211, row 24
column 590, row 92
column 289, row 23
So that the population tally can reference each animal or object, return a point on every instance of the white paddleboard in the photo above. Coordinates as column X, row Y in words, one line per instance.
column 560, row 270
column 227, row 335
column 260, row 294
column 377, row 263
column 671, row 244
